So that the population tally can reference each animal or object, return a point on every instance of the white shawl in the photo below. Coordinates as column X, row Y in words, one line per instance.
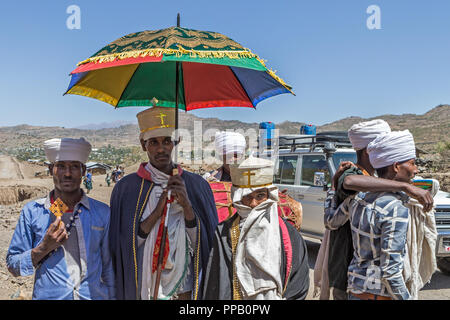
column 258, row 252
column 420, row 257
column 321, row 280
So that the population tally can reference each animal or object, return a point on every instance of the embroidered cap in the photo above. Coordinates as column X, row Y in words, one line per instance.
column 252, row 173
column 156, row 122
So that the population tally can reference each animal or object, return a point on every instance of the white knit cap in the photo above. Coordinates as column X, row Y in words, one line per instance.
column 67, row 149
column 361, row 134
column 395, row 146
column 228, row 143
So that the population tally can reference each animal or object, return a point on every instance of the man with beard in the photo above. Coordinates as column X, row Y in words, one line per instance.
column 138, row 205
column 63, row 238
column 256, row 255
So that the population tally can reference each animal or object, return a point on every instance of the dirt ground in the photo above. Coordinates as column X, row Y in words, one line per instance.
column 23, row 174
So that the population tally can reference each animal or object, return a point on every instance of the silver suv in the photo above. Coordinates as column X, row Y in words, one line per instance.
column 304, row 166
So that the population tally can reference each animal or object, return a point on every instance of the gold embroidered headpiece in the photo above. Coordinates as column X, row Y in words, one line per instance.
column 156, row 122
column 252, row 173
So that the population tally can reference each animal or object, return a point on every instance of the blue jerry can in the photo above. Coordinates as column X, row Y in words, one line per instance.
column 309, row 129
column 266, row 131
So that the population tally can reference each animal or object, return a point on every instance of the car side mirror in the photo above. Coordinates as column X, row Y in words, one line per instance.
column 319, row 179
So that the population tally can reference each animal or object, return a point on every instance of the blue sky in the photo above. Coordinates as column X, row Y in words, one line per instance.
column 323, row 48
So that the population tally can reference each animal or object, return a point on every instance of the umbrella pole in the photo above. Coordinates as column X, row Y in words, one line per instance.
column 176, row 112
column 177, row 67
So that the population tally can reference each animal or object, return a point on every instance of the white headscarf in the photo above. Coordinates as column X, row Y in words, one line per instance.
column 67, row 149
column 361, row 134
column 396, row 146
column 228, row 143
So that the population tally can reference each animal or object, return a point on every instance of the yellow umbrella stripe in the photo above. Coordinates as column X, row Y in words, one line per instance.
column 105, row 90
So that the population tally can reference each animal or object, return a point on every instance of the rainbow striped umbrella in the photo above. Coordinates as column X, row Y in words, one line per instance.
column 144, row 68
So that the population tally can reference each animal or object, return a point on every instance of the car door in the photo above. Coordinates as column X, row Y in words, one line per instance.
column 312, row 197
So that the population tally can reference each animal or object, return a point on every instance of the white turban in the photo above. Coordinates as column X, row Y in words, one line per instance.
column 396, row 146
column 228, row 143
column 361, row 134
column 67, row 149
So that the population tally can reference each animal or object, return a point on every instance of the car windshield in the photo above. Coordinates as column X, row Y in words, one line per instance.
column 338, row 157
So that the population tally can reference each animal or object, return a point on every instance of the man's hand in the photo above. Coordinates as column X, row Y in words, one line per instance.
column 55, row 236
column 147, row 225
column 161, row 204
column 342, row 167
column 178, row 188
column 423, row 196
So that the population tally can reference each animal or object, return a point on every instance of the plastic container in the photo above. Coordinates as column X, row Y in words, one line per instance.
column 308, row 129
column 266, row 132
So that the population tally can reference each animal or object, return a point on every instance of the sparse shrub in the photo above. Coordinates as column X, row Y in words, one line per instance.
column 442, row 146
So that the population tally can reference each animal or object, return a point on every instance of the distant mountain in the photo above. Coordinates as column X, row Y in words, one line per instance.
column 428, row 129
column 104, row 125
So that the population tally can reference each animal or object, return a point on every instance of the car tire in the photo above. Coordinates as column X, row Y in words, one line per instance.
column 444, row 265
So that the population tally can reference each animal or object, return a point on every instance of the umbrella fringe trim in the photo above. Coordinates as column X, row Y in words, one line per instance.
column 177, row 52
column 157, row 52
column 273, row 75
column 93, row 93
column 281, row 81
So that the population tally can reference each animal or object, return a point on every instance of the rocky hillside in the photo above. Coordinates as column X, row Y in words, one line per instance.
column 431, row 132
column 428, row 129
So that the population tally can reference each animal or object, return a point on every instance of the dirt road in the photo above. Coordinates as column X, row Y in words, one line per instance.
column 9, row 168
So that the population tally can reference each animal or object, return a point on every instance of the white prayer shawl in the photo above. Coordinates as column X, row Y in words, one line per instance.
column 396, row 146
column 175, row 269
column 361, row 134
column 258, row 252
column 420, row 258
column 321, row 280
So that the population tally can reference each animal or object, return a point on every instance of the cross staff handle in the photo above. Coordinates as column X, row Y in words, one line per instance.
column 163, row 243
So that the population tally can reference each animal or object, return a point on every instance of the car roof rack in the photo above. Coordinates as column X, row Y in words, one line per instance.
column 324, row 139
